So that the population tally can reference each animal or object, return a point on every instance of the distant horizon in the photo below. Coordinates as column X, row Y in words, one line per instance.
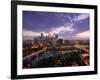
column 31, row 38
column 69, row 26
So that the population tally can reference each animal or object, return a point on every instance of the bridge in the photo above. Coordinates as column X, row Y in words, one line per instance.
column 33, row 54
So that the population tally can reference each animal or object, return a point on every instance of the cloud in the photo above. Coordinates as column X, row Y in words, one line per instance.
column 63, row 29
column 82, row 35
column 69, row 27
column 81, row 17
column 76, row 18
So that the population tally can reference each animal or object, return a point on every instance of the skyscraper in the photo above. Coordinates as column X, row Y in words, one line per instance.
column 42, row 35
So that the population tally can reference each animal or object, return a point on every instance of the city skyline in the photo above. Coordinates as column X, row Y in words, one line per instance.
column 72, row 26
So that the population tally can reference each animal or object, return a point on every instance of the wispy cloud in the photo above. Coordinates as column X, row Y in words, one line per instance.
column 81, row 17
column 63, row 29
column 76, row 18
column 70, row 25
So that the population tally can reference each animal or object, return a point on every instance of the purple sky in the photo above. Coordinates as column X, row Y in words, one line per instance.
column 72, row 26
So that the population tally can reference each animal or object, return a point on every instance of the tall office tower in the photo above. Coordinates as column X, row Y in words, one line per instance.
column 56, row 36
column 42, row 35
